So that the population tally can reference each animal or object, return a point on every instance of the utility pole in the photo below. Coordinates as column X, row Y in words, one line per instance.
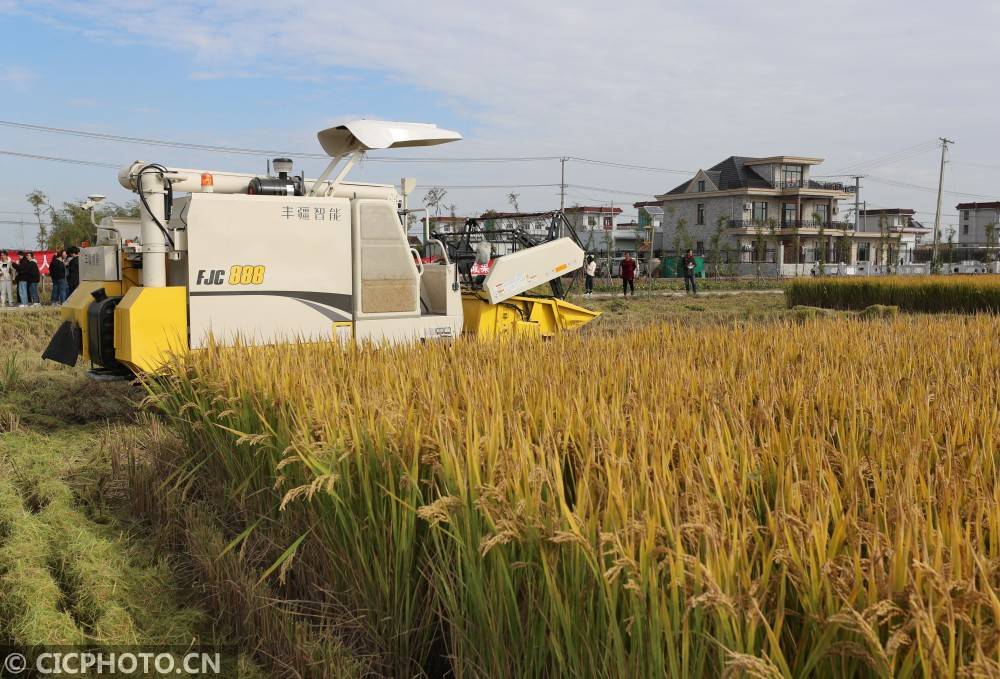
column 937, row 215
column 562, row 194
column 611, row 249
column 857, row 199
column 562, row 183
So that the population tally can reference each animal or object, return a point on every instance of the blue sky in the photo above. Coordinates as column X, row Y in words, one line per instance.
column 672, row 85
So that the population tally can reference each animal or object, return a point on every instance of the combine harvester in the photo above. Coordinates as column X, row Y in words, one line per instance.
column 284, row 258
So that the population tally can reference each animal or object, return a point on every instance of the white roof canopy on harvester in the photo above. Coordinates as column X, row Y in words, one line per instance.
column 357, row 136
column 364, row 135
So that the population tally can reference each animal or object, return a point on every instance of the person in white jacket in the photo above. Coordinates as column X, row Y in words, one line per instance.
column 588, row 275
column 6, row 280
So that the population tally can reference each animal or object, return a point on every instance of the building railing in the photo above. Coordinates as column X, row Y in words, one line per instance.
column 789, row 224
column 812, row 184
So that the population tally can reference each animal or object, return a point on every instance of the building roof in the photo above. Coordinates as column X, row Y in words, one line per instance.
column 792, row 160
column 731, row 173
column 446, row 219
column 889, row 211
column 590, row 208
column 975, row 206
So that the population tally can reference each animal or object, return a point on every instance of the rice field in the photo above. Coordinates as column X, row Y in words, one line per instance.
column 926, row 294
column 782, row 499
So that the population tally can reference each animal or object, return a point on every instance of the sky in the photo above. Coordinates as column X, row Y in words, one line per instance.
column 868, row 86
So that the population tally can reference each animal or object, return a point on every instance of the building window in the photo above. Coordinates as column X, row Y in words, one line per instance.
column 965, row 214
column 965, row 229
column 591, row 221
column 701, row 185
column 863, row 251
column 791, row 175
column 788, row 214
column 608, row 223
column 823, row 213
column 701, row 213
column 760, row 211
column 700, row 247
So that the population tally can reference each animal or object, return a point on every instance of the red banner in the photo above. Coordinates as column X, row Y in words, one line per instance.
column 43, row 257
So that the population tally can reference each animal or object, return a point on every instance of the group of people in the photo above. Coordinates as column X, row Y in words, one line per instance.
column 19, row 280
column 627, row 273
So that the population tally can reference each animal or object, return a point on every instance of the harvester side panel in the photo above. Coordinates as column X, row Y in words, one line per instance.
column 267, row 269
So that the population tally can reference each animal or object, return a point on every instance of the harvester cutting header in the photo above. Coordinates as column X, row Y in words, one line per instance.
column 223, row 263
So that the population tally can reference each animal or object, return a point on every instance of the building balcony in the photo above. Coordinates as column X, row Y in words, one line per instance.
column 789, row 224
column 811, row 184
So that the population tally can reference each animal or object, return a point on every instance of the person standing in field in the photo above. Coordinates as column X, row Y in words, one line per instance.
column 57, row 272
column 7, row 273
column 688, row 262
column 628, row 275
column 29, row 277
column 588, row 275
column 72, row 270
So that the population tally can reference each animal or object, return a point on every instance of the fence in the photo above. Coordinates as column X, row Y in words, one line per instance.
column 950, row 252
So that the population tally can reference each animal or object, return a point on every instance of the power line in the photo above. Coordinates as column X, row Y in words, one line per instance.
column 628, row 166
column 95, row 163
column 896, row 156
column 971, row 164
column 603, row 189
column 490, row 186
column 72, row 161
column 238, row 150
column 918, row 187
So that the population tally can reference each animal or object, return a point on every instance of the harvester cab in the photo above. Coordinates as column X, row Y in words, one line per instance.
column 227, row 257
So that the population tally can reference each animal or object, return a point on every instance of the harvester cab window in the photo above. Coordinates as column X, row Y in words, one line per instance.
column 388, row 276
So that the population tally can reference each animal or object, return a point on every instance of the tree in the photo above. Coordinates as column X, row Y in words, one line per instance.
column 39, row 204
column 433, row 199
column 71, row 224
column 682, row 239
column 772, row 228
column 512, row 199
column 797, row 246
column 760, row 244
column 608, row 242
column 820, row 244
column 883, row 238
column 991, row 241
column 715, row 241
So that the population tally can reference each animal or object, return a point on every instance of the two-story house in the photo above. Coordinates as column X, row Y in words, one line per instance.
column 746, row 200
column 977, row 221
column 595, row 227
column 895, row 225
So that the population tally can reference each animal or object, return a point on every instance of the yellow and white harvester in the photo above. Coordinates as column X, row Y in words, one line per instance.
column 226, row 257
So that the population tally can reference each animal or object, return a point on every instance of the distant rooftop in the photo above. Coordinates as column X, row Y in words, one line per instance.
column 595, row 209
column 975, row 206
column 791, row 160
column 889, row 211
column 734, row 173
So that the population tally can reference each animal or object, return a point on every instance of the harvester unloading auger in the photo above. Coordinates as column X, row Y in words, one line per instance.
column 284, row 258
